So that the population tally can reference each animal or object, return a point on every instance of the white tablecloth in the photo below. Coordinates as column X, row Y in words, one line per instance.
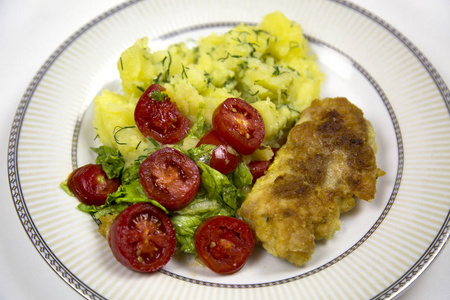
column 30, row 31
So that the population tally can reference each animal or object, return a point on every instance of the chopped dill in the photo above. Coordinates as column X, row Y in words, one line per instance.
column 208, row 78
column 118, row 129
column 277, row 71
column 259, row 31
column 293, row 44
column 228, row 56
column 183, row 73
column 167, row 75
column 138, row 145
column 155, row 143
column 158, row 96
column 158, row 79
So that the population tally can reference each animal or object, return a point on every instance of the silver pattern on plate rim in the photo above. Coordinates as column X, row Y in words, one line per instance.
column 86, row 291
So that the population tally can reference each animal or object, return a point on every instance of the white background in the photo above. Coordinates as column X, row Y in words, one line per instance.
column 30, row 31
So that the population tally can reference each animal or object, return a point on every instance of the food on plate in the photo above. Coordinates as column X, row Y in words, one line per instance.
column 239, row 124
column 224, row 243
column 223, row 158
column 91, row 185
column 328, row 159
column 170, row 177
column 268, row 65
column 258, row 168
column 142, row 238
column 159, row 118
column 191, row 131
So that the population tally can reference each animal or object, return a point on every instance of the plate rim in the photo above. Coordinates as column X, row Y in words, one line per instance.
column 32, row 231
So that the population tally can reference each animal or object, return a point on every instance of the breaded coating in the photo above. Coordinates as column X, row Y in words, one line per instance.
column 327, row 161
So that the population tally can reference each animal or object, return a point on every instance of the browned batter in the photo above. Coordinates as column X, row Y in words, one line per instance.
column 329, row 158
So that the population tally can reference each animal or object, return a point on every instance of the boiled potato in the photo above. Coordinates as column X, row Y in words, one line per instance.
column 268, row 65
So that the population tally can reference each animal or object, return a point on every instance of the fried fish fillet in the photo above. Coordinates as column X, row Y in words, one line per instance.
column 328, row 159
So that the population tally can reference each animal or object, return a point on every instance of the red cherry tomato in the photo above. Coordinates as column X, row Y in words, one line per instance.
column 159, row 118
column 142, row 238
column 239, row 124
column 170, row 177
column 223, row 159
column 224, row 243
column 258, row 168
column 91, row 185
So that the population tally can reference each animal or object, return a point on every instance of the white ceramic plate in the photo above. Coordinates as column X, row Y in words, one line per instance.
column 382, row 246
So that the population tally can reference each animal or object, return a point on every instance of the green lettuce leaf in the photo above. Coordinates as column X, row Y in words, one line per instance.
column 103, row 210
column 204, row 206
column 199, row 128
column 212, row 180
column 125, row 196
column 111, row 161
column 66, row 189
column 185, row 227
column 217, row 196
column 187, row 219
column 131, row 193
column 241, row 176
column 132, row 173
column 201, row 153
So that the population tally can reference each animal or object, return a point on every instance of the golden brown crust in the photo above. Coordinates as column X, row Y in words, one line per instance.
column 329, row 158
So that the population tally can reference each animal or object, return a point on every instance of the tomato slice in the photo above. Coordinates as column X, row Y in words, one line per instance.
column 224, row 243
column 224, row 158
column 159, row 118
column 91, row 185
column 142, row 238
column 170, row 177
column 239, row 124
column 258, row 168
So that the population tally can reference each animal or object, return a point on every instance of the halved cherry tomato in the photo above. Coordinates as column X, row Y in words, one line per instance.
column 224, row 158
column 224, row 243
column 258, row 168
column 91, row 185
column 170, row 177
column 239, row 124
column 159, row 118
column 142, row 238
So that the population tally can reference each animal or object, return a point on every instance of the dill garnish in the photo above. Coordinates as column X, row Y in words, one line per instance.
column 118, row 129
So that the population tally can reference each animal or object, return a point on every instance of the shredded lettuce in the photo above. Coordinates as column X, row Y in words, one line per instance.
column 199, row 129
column 132, row 173
column 119, row 200
column 66, row 189
column 212, row 180
column 219, row 194
column 111, row 161
column 241, row 176
column 185, row 227
column 201, row 153
column 98, row 211
column 187, row 219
